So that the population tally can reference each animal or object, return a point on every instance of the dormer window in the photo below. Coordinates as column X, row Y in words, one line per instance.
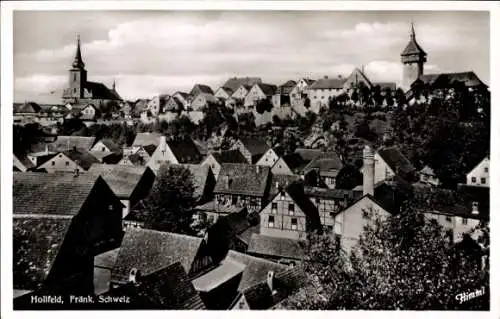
column 274, row 208
column 282, row 195
column 291, row 209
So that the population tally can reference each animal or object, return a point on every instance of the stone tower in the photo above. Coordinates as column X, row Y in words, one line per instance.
column 77, row 73
column 413, row 58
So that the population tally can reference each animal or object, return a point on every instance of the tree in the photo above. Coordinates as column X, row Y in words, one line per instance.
column 349, row 177
column 389, row 268
column 170, row 202
column 263, row 105
column 246, row 121
column 307, row 102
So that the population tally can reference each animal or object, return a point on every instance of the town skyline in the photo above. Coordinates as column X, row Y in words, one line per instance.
column 204, row 47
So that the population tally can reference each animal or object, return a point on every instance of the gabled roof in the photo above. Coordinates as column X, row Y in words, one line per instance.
column 22, row 162
column 143, row 139
column 28, row 107
column 231, row 156
column 63, row 143
column 256, row 269
column 275, row 246
column 443, row 80
column 175, row 103
column 167, row 288
column 285, row 283
column 111, row 145
column 50, row 194
column 308, row 154
column 296, row 192
column 81, row 157
column 334, row 83
column 100, row 91
column 218, row 276
column 413, row 48
column 295, row 161
column 202, row 88
column 184, row 150
column 235, row 82
column 122, row 179
column 36, row 245
column 267, row 89
column 283, row 181
column 255, row 145
column 242, row 179
column 327, row 162
column 329, row 193
column 150, row 251
column 396, row 160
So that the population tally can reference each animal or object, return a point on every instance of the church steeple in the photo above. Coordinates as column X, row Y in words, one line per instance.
column 413, row 58
column 77, row 61
column 412, row 34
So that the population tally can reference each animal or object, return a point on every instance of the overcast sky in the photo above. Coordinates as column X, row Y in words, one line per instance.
column 153, row 52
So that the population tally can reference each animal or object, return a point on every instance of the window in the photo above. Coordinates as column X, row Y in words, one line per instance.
column 74, row 90
column 53, row 163
column 291, row 209
column 483, row 180
column 473, row 179
column 486, row 169
column 337, row 241
column 365, row 214
column 294, row 223
column 110, row 207
column 282, row 195
column 329, row 229
column 67, row 163
column 464, row 221
column 74, row 77
column 274, row 207
column 104, row 149
column 234, row 200
column 270, row 221
column 448, row 219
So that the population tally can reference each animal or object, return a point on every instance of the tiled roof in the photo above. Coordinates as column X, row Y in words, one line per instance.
column 100, row 91
column 81, row 157
column 23, row 161
column 256, row 268
column 143, row 139
column 63, row 143
column 413, row 48
column 275, row 247
column 308, row 154
column 218, row 276
column 469, row 79
column 234, row 82
column 386, row 85
column 200, row 177
column 209, row 97
column 255, row 145
column 210, row 207
column 231, row 156
column 295, row 161
column 396, row 160
column 268, row 89
column 28, row 107
column 326, row 163
column 166, row 288
column 111, row 145
column 185, row 151
column 36, row 244
column 328, row 193
column 243, row 179
column 202, row 88
column 247, row 234
column 175, row 104
column 150, row 250
column 327, row 84
column 122, row 179
column 106, row 259
column 282, row 181
column 285, row 283
column 50, row 194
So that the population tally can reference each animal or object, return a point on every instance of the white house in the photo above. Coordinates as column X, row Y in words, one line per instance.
column 258, row 92
column 223, row 93
column 241, row 92
column 322, row 90
column 268, row 159
column 480, row 175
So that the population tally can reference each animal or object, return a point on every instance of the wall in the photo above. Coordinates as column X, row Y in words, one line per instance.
column 282, row 219
column 61, row 163
column 213, row 164
column 161, row 155
column 281, row 168
column 382, row 170
column 481, row 171
column 268, row 159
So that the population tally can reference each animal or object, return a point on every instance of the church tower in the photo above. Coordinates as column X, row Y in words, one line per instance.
column 77, row 74
column 413, row 58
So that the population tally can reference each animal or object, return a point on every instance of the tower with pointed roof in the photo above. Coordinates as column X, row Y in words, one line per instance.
column 413, row 58
column 77, row 73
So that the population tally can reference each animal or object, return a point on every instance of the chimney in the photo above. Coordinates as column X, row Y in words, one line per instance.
column 368, row 171
column 270, row 281
column 132, row 276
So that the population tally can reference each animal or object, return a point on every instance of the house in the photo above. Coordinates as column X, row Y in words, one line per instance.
column 389, row 161
column 321, row 91
column 148, row 251
column 286, row 251
column 271, row 291
column 137, row 155
column 356, row 79
column 290, row 214
column 258, row 92
column 234, row 83
column 38, row 158
column 143, row 139
column 203, row 100
column 183, row 98
column 252, row 148
column 351, row 221
column 89, row 113
column 282, row 95
column 268, row 159
column 325, row 166
column 175, row 152
column 129, row 183
column 70, row 161
column 211, row 211
column 299, row 92
column 174, row 104
column 242, row 91
column 168, row 288
column 107, row 151
column 216, row 159
column 242, row 185
column 223, row 93
column 428, row 177
column 329, row 202
column 200, row 88
column 280, row 167
column 48, row 252
column 480, row 175
column 157, row 104
column 87, row 201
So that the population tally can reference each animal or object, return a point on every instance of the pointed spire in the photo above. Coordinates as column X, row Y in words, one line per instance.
column 78, row 62
column 114, row 85
column 412, row 34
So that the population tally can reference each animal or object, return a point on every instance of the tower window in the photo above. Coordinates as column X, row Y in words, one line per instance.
column 74, row 77
column 74, row 90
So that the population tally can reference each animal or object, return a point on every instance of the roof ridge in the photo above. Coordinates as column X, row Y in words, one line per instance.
column 164, row 232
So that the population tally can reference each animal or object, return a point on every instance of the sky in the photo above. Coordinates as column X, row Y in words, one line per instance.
column 153, row 52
